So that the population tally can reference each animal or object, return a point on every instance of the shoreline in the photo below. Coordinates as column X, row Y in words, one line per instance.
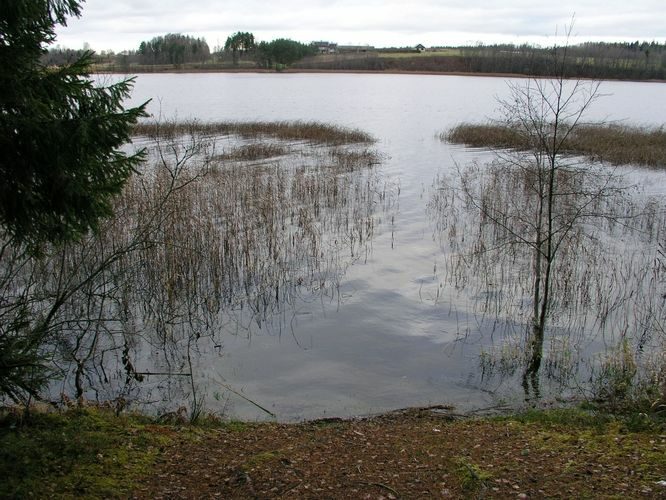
column 417, row 453
column 351, row 71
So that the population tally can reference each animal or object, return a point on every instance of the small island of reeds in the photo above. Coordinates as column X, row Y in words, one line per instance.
column 611, row 143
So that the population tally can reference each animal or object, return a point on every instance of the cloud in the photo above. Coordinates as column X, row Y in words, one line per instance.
column 123, row 24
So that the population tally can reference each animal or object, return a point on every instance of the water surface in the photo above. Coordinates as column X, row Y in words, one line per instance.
column 393, row 334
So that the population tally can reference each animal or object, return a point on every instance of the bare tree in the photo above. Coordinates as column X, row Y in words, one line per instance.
column 541, row 207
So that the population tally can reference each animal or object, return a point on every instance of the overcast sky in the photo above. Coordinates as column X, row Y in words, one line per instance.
column 123, row 24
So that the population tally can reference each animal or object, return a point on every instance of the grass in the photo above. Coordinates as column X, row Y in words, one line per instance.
column 78, row 453
column 581, row 418
column 615, row 144
column 311, row 132
column 92, row 453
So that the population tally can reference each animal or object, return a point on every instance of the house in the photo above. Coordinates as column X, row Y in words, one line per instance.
column 326, row 47
column 420, row 47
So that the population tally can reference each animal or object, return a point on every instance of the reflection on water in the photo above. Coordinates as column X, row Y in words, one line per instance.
column 207, row 243
column 388, row 329
column 605, row 283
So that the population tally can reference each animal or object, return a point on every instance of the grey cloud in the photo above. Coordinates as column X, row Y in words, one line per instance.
column 124, row 21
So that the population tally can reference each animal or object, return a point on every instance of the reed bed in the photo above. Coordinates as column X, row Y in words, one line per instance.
column 615, row 144
column 309, row 132
column 606, row 282
column 621, row 144
column 485, row 136
column 200, row 245
column 254, row 152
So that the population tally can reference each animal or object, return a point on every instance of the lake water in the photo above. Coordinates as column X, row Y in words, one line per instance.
column 392, row 336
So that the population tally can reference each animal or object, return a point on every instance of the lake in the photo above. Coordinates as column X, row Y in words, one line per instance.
column 395, row 334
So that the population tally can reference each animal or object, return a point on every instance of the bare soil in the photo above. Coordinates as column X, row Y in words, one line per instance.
column 418, row 453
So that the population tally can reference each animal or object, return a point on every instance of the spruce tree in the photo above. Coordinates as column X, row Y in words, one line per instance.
column 60, row 167
column 60, row 133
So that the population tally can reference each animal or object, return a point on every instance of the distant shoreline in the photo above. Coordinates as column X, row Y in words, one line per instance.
column 343, row 71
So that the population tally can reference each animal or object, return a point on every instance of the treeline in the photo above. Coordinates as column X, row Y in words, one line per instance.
column 59, row 56
column 590, row 60
column 637, row 61
column 177, row 50
column 173, row 49
column 641, row 61
column 282, row 52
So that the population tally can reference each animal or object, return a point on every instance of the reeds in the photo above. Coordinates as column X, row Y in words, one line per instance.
column 485, row 136
column 310, row 132
column 621, row 144
column 200, row 245
column 604, row 287
column 254, row 152
column 615, row 144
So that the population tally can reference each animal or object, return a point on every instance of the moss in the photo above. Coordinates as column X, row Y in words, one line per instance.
column 82, row 453
column 262, row 457
column 235, row 426
column 566, row 417
column 471, row 476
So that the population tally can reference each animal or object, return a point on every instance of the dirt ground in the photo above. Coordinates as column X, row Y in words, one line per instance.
column 418, row 453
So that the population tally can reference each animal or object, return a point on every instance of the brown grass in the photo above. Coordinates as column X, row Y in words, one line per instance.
column 620, row 144
column 486, row 135
column 310, row 132
column 253, row 152
column 615, row 144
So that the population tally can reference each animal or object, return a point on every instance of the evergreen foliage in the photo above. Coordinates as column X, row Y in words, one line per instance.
column 61, row 167
column 174, row 48
column 240, row 43
column 59, row 132
column 283, row 51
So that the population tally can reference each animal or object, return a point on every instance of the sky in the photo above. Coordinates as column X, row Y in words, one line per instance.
column 123, row 24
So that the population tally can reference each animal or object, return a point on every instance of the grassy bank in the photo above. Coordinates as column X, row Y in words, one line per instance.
column 524, row 61
column 498, row 60
column 413, row 453
column 615, row 144
column 77, row 453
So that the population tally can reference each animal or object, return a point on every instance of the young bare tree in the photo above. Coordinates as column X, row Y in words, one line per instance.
column 540, row 207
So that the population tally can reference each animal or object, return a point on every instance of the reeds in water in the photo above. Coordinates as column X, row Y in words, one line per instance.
column 201, row 245
column 310, row 132
column 606, row 284
column 615, row 144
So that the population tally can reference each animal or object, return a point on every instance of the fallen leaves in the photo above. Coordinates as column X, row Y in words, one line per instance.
column 411, row 455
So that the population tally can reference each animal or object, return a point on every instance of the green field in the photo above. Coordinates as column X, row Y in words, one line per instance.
column 426, row 53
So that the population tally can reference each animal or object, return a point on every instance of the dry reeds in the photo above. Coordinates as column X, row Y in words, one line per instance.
column 621, row 144
column 202, row 244
column 309, row 132
column 615, row 144
column 603, row 285
column 485, row 136
column 254, row 152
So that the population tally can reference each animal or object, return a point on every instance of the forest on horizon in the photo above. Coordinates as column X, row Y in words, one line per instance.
column 602, row 60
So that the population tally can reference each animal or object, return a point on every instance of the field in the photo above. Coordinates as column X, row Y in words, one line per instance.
column 445, row 52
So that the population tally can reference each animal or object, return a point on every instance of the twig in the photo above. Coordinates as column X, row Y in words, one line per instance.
column 230, row 389
column 164, row 374
column 292, row 487
column 381, row 485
